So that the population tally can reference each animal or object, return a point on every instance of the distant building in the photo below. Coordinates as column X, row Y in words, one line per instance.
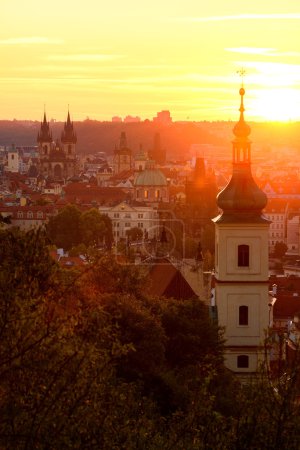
column 276, row 212
column 116, row 119
column 132, row 119
column 157, row 153
column 13, row 160
column 163, row 117
column 201, row 191
column 27, row 217
column 124, row 217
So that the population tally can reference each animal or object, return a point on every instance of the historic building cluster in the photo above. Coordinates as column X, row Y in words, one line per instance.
column 171, row 205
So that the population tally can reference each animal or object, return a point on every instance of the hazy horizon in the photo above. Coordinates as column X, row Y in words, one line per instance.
column 131, row 59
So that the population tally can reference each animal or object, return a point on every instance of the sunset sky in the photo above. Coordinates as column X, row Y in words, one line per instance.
column 133, row 57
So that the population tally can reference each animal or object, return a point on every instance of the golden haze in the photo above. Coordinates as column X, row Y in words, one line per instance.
column 119, row 58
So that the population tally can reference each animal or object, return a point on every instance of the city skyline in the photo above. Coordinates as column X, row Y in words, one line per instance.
column 128, row 59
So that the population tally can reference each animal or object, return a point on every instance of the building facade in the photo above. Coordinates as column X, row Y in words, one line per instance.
column 125, row 217
column 241, row 260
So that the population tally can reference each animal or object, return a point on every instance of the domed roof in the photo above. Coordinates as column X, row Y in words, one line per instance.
column 150, row 177
column 241, row 194
column 241, row 200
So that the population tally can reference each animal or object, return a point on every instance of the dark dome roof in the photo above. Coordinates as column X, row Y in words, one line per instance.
column 241, row 199
column 241, row 194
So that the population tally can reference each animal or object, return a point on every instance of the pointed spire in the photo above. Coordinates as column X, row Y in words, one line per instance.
column 123, row 140
column 44, row 134
column 68, row 134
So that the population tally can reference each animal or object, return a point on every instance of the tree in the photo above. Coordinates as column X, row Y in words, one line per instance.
column 280, row 249
column 134, row 234
column 64, row 228
column 70, row 228
column 94, row 227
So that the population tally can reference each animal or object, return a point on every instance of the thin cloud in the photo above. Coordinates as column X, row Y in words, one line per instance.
column 84, row 57
column 29, row 40
column 284, row 16
column 261, row 51
column 252, row 50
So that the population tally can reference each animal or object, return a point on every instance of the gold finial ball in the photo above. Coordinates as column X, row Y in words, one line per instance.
column 242, row 91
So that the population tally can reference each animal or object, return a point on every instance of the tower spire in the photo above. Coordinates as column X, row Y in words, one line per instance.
column 68, row 134
column 44, row 135
column 241, row 196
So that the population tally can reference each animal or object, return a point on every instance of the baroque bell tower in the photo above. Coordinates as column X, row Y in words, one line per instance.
column 241, row 259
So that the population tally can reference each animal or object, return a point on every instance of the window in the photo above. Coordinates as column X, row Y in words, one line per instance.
column 20, row 215
column 116, row 215
column 140, row 216
column 70, row 149
column 243, row 315
column 127, row 225
column 243, row 362
column 29, row 215
column 40, row 214
column 146, row 194
column 243, row 255
column 157, row 193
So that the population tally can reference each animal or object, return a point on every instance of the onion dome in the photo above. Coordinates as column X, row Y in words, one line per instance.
column 44, row 134
column 68, row 134
column 241, row 200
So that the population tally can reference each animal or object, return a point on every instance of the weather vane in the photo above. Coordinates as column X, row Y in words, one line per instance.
column 242, row 73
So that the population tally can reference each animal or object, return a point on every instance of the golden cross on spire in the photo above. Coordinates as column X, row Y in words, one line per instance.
column 242, row 73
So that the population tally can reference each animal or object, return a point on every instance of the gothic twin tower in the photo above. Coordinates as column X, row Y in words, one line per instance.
column 57, row 159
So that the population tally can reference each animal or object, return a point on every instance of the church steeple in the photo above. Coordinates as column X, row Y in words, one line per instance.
column 44, row 135
column 241, row 260
column 241, row 199
column 68, row 134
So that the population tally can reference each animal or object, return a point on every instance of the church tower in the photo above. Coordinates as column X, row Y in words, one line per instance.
column 122, row 156
column 69, row 139
column 44, row 138
column 57, row 161
column 241, row 259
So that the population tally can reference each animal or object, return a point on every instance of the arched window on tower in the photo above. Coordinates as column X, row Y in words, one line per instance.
column 243, row 361
column 45, row 149
column 243, row 255
column 243, row 315
column 69, row 149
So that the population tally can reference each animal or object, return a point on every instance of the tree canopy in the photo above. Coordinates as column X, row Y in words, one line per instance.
column 71, row 227
column 89, row 360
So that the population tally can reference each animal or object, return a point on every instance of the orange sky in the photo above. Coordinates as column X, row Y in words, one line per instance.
column 122, row 57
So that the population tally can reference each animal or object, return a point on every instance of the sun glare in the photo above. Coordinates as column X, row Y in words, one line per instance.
column 281, row 105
